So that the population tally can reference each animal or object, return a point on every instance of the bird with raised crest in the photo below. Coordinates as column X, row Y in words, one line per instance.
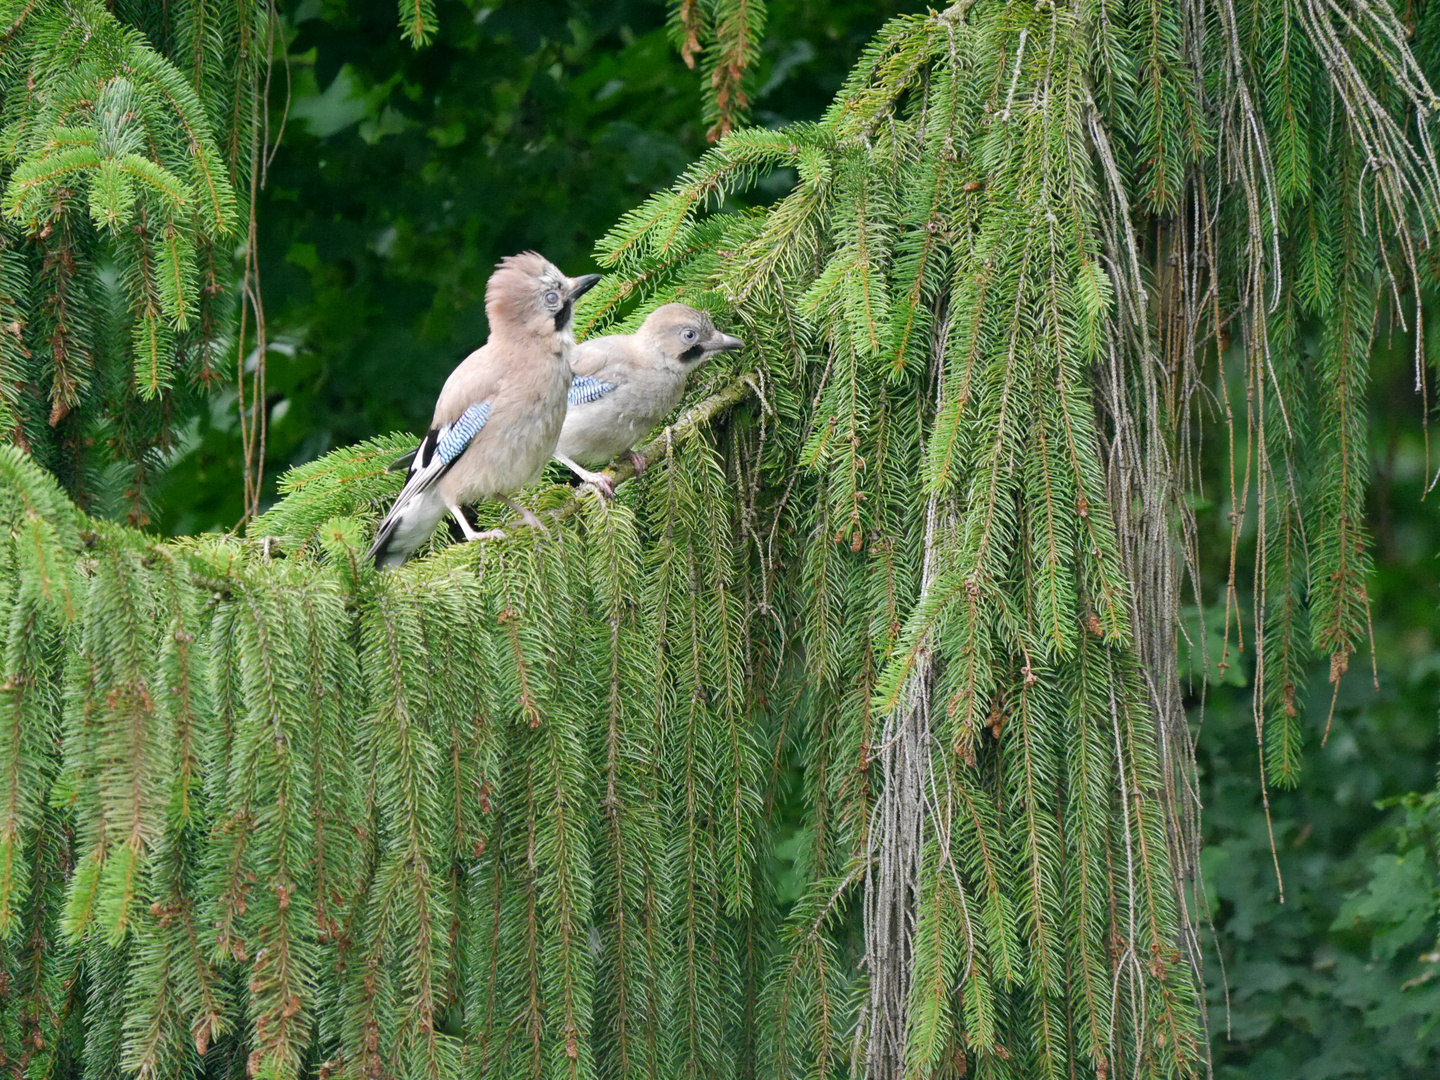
column 627, row 384
column 499, row 413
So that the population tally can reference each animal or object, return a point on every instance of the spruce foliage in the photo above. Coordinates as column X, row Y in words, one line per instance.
column 508, row 810
column 129, row 131
column 725, row 35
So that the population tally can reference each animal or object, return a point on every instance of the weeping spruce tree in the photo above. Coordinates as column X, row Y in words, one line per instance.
column 508, row 811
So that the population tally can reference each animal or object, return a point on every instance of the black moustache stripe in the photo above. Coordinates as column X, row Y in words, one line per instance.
column 562, row 317
column 694, row 352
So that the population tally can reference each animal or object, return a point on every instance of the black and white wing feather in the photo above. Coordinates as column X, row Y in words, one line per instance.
column 428, row 462
column 587, row 388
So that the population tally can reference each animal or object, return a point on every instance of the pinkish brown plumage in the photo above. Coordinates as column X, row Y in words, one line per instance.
column 499, row 413
column 626, row 384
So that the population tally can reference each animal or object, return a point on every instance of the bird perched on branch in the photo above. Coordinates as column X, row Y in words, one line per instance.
column 626, row 384
column 498, row 414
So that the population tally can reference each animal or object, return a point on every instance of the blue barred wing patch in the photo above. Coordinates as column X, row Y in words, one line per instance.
column 454, row 438
column 586, row 388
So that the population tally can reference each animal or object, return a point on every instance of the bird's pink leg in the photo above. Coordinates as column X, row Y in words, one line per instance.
column 471, row 533
column 525, row 515
column 637, row 461
column 599, row 480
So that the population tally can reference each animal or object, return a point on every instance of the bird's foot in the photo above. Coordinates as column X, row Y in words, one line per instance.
column 465, row 526
column 599, row 481
column 488, row 534
column 534, row 522
column 637, row 462
column 526, row 516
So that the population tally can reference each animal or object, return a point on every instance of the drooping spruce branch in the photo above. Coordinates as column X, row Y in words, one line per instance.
column 509, row 810
column 125, row 163
column 725, row 36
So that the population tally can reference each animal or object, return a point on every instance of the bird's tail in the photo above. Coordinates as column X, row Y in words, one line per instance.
column 406, row 527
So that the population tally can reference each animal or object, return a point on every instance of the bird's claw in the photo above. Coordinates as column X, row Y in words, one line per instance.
column 637, row 461
column 488, row 534
column 599, row 481
column 534, row 522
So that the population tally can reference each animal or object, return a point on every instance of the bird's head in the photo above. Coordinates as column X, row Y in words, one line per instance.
column 527, row 295
column 685, row 336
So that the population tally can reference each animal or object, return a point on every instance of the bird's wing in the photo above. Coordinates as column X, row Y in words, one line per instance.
column 607, row 358
column 587, row 388
column 429, row 461
column 470, row 390
column 481, row 376
column 441, row 448
column 600, row 365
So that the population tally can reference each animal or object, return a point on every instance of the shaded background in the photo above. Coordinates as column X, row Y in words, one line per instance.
column 402, row 176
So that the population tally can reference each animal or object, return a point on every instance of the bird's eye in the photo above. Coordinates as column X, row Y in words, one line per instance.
column 552, row 298
column 688, row 335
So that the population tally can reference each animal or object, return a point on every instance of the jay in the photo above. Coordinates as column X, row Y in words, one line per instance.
column 626, row 384
column 499, row 413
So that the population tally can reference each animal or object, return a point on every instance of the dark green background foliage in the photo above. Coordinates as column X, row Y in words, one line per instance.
column 1343, row 979
column 402, row 175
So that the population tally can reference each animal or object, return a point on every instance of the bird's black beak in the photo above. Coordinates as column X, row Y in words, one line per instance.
column 581, row 285
column 725, row 343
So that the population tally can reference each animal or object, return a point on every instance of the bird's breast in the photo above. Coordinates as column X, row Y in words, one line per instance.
column 512, row 449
